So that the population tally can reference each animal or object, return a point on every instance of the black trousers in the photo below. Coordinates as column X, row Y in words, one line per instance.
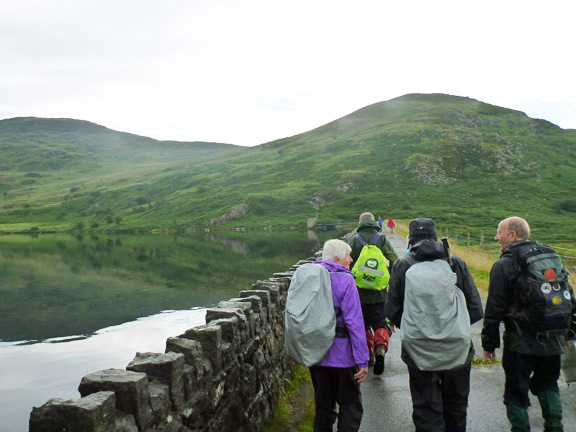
column 336, row 386
column 374, row 316
column 440, row 399
column 525, row 373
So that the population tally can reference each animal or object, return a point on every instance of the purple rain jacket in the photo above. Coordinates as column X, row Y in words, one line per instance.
column 352, row 350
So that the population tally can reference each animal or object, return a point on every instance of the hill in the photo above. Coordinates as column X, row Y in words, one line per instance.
column 458, row 160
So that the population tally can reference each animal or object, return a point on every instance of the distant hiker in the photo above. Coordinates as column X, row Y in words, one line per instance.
column 373, row 299
column 537, row 307
column 336, row 378
column 433, row 300
column 391, row 225
column 380, row 222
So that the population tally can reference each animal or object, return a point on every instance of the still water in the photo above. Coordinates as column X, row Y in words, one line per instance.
column 72, row 305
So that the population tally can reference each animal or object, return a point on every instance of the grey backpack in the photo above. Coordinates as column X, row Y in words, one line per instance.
column 310, row 320
column 435, row 325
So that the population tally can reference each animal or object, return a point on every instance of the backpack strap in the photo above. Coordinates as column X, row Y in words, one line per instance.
column 375, row 238
column 372, row 241
column 410, row 260
column 447, row 254
column 341, row 329
column 360, row 239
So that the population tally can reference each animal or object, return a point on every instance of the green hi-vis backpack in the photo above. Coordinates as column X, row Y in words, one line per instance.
column 370, row 270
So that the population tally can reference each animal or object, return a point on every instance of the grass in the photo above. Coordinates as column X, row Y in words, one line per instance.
column 295, row 409
column 454, row 159
column 481, row 361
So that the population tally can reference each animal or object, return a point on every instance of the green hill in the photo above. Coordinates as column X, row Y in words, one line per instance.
column 458, row 160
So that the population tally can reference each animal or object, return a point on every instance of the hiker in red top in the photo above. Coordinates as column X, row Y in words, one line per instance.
column 391, row 225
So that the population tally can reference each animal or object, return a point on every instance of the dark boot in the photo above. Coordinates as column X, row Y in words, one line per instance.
column 379, row 356
column 551, row 410
column 381, row 340
column 518, row 417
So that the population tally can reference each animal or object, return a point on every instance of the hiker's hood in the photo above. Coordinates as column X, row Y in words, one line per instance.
column 368, row 224
column 331, row 266
column 427, row 250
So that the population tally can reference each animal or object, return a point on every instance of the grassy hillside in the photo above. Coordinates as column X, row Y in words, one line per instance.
column 458, row 160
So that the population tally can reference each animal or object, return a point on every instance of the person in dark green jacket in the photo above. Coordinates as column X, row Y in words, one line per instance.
column 373, row 302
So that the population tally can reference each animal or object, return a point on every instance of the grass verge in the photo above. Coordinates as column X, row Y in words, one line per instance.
column 295, row 409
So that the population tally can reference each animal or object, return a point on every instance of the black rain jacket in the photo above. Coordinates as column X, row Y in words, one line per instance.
column 429, row 250
column 500, row 308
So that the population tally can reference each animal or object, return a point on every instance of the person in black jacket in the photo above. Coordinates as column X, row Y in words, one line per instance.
column 530, row 363
column 373, row 301
column 439, row 398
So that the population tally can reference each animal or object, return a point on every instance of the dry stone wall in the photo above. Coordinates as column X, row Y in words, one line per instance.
column 226, row 375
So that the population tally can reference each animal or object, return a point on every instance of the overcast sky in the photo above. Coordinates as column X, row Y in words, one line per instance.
column 250, row 71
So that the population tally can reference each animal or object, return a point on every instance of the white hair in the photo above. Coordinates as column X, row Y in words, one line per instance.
column 365, row 216
column 335, row 249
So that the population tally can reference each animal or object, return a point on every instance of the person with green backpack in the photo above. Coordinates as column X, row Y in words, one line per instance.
column 370, row 249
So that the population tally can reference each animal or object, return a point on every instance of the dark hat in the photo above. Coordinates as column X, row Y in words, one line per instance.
column 422, row 229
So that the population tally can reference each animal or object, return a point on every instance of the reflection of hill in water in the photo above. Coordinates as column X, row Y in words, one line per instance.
column 56, row 286
column 236, row 245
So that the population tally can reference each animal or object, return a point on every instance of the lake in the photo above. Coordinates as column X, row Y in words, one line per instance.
column 72, row 305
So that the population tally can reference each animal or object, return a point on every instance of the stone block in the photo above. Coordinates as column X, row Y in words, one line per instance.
column 160, row 402
column 200, row 368
column 131, row 390
column 244, row 306
column 126, row 423
column 260, row 307
column 164, row 368
column 210, row 337
column 275, row 290
column 93, row 413
column 231, row 328
column 191, row 349
column 251, row 307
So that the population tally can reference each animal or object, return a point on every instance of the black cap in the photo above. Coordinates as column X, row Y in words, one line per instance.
column 422, row 229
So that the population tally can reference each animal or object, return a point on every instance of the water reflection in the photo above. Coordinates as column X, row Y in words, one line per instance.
column 59, row 291
column 33, row 374
column 56, row 286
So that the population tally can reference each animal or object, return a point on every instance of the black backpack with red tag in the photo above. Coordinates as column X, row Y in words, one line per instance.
column 544, row 300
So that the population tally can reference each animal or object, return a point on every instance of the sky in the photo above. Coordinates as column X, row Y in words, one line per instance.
column 247, row 72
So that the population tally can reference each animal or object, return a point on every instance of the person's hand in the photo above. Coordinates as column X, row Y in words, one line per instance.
column 393, row 327
column 490, row 356
column 361, row 375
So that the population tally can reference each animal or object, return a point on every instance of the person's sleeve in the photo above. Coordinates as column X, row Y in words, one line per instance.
column 466, row 283
column 354, row 253
column 389, row 252
column 352, row 315
column 496, row 306
column 395, row 301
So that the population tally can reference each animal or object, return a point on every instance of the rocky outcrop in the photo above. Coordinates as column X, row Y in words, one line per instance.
column 235, row 213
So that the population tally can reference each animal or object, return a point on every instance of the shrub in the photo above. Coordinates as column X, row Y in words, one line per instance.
column 568, row 205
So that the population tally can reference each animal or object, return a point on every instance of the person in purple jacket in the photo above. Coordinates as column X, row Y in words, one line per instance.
column 336, row 378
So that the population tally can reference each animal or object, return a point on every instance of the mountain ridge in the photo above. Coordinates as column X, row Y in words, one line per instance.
column 462, row 161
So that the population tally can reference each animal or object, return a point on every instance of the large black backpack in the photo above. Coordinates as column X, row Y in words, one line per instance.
column 543, row 301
